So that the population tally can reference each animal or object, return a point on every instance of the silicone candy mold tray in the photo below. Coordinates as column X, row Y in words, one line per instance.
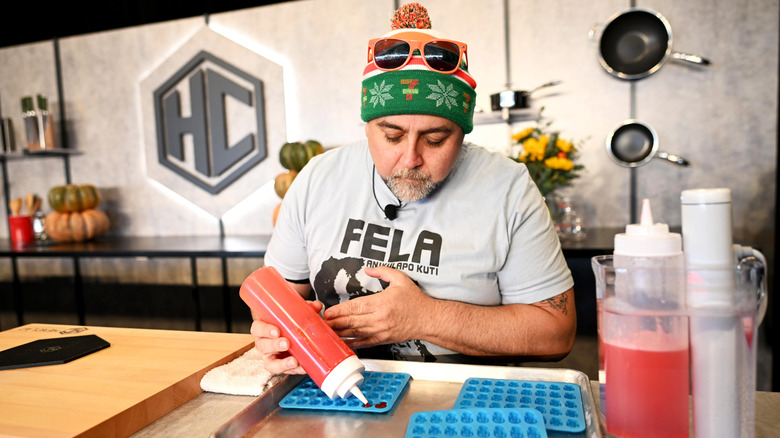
column 496, row 422
column 381, row 389
column 559, row 403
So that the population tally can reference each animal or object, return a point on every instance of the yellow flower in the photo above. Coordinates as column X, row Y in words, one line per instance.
column 534, row 148
column 563, row 145
column 523, row 134
column 551, row 165
column 523, row 157
column 559, row 163
column 543, row 140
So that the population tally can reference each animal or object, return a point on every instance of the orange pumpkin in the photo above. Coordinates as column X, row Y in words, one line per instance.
column 276, row 212
column 282, row 182
column 76, row 226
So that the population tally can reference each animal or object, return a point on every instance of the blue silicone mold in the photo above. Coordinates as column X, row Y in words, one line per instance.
column 381, row 389
column 496, row 422
column 559, row 403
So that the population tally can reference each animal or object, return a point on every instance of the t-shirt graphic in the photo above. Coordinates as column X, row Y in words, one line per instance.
column 338, row 280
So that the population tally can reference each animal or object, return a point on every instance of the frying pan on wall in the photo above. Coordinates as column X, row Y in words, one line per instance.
column 637, row 42
column 516, row 99
column 635, row 143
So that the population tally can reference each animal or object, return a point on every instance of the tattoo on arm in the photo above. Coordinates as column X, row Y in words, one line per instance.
column 559, row 303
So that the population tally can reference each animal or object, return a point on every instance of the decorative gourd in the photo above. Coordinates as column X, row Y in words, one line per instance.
column 73, row 197
column 76, row 226
column 276, row 212
column 282, row 182
column 295, row 155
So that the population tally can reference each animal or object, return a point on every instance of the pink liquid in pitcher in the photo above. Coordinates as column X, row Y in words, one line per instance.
column 647, row 392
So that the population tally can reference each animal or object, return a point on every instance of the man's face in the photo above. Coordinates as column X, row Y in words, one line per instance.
column 413, row 153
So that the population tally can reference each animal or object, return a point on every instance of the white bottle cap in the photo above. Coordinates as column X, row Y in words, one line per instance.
column 344, row 379
column 647, row 239
column 706, row 227
column 705, row 196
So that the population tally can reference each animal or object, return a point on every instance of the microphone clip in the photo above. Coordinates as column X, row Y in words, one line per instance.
column 391, row 211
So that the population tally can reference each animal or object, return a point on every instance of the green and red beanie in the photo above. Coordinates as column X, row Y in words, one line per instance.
column 415, row 89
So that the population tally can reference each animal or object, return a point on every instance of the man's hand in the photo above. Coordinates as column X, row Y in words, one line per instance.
column 402, row 312
column 396, row 314
column 274, row 348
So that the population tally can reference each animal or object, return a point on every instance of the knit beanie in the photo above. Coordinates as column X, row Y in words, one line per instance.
column 415, row 89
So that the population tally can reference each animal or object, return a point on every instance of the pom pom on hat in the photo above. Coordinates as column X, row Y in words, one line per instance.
column 411, row 16
column 416, row 89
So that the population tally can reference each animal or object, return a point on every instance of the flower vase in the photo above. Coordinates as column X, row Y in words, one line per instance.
column 551, row 200
column 568, row 222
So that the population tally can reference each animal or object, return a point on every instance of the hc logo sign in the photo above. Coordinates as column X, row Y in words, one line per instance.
column 210, row 122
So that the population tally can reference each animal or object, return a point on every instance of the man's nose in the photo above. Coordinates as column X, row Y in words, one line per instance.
column 411, row 156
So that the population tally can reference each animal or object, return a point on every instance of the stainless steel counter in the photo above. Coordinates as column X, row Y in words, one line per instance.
column 208, row 413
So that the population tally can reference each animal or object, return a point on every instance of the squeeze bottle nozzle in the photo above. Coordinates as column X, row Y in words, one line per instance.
column 647, row 239
column 359, row 394
column 646, row 218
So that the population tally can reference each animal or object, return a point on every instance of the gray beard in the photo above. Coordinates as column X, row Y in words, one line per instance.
column 410, row 192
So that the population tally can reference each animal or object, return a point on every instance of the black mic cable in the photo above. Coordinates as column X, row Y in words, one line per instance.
column 390, row 210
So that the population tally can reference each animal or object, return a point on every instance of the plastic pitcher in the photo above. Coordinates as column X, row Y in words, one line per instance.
column 644, row 334
column 723, row 389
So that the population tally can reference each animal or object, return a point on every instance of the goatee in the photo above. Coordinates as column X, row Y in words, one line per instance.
column 418, row 188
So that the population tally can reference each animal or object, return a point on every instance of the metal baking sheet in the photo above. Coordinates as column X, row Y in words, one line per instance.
column 432, row 387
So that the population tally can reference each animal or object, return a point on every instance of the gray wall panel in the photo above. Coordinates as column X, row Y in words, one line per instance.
column 723, row 118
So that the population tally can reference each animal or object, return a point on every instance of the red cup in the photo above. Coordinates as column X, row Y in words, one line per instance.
column 21, row 230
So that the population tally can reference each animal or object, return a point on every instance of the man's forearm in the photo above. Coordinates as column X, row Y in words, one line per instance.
column 545, row 330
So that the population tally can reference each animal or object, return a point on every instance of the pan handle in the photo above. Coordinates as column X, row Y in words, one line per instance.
column 676, row 159
column 549, row 84
column 694, row 59
column 595, row 29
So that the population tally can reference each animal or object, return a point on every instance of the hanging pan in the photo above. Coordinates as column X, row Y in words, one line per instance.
column 637, row 42
column 634, row 143
column 516, row 99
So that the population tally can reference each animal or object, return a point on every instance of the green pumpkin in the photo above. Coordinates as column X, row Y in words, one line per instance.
column 72, row 197
column 313, row 148
column 295, row 155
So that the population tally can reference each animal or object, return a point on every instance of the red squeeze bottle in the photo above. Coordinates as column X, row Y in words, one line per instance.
column 330, row 363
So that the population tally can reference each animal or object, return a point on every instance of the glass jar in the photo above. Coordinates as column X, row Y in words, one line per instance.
column 568, row 222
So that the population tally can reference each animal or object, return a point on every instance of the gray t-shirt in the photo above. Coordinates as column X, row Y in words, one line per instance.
column 483, row 237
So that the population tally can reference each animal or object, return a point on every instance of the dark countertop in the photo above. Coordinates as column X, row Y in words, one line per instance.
column 147, row 246
column 597, row 241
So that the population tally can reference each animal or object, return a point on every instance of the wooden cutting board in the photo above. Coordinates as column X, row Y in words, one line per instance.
column 113, row 392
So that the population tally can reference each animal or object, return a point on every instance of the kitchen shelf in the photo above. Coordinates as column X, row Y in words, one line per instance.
column 493, row 117
column 24, row 153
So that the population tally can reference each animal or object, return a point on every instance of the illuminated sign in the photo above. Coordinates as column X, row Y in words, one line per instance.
column 210, row 122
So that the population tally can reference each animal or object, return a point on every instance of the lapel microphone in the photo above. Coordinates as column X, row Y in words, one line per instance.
column 390, row 210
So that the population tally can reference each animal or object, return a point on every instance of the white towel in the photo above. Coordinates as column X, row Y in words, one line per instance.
column 245, row 375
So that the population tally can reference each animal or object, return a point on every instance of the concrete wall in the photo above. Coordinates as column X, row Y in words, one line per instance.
column 723, row 118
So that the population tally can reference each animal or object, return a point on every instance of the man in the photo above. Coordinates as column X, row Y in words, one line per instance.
column 418, row 241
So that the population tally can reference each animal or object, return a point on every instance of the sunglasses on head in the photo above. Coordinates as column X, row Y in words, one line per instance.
column 443, row 56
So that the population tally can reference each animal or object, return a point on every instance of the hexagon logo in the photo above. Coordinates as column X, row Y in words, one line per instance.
column 210, row 112
column 211, row 83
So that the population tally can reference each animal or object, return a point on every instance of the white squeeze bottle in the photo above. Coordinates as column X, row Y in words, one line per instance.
column 646, row 334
